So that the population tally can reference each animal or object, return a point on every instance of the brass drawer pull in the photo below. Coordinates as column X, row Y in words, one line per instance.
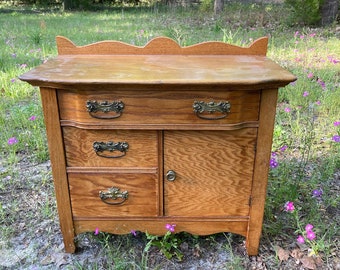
column 222, row 107
column 113, row 193
column 105, row 107
column 100, row 147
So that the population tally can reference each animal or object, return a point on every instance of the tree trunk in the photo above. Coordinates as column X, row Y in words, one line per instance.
column 329, row 11
column 75, row 4
column 68, row 5
column 218, row 6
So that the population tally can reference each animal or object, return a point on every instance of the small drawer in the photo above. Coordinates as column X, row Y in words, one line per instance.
column 113, row 195
column 162, row 108
column 110, row 148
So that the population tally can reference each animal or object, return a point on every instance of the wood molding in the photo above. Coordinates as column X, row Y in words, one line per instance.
column 161, row 46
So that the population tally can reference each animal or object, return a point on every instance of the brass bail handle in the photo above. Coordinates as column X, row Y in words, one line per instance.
column 171, row 175
column 112, row 148
column 105, row 109
column 112, row 194
column 211, row 110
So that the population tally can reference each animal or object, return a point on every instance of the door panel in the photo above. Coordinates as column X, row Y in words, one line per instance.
column 213, row 172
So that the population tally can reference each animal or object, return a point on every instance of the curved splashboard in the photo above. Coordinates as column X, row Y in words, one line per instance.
column 161, row 45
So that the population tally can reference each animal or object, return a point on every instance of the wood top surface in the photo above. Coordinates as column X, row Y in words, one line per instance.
column 88, row 65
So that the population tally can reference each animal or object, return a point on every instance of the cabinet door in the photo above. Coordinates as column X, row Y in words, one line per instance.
column 213, row 172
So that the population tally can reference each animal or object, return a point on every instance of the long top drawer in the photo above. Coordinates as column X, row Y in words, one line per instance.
column 163, row 109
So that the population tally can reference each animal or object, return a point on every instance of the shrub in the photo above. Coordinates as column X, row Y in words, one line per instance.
column 304, row 11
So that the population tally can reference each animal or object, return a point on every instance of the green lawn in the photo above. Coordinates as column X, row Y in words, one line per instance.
column 306, row 147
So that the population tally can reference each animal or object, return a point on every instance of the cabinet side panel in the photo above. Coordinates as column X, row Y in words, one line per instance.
column 57, row 156
column 260, row 179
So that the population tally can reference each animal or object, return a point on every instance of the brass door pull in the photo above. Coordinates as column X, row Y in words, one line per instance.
column 201, row 109
column 113, row 193
column 100, row 147
column 105, row 107
column 171, row 175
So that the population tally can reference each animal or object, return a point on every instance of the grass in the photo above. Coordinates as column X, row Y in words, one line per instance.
column 306, row 110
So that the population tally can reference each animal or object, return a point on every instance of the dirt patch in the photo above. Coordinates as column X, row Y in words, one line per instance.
column 31, row 238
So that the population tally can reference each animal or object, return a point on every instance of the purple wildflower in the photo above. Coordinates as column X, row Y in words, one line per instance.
column 333, row 60
column 309, row 227
column 310, row 75
column 170, row 228
column 336, row 138
column 12, row 141
column 283, row 148
column 322, row 83
column 96, row 231
column 311, row 235
column 300, row 239
column 317, row 193
column 273, row 163
column 289, row 206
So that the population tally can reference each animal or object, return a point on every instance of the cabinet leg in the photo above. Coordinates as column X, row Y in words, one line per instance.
column 261, row 168
column 252, row 246
column 69, row 247
column 58, row 162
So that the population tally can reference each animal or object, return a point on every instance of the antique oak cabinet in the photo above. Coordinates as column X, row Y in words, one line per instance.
column 144, row 136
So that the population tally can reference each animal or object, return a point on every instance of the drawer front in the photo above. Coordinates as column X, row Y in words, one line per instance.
column 110, row 148
column 133, row 108
column 137, row 195
column 213, row 170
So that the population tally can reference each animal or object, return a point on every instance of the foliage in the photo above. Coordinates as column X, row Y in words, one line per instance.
column 307, row 12
column 83, row 4
column 167, row 244
column 206, row 5
column 306, row 149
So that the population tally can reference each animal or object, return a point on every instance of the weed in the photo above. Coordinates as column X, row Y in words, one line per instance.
column 235, row 262
column 167, row 244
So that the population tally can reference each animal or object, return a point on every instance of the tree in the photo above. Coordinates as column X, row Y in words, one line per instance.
column 76, row 4
column 313, row 12
column 329, row 11
column 69, row 4
column 218, row 6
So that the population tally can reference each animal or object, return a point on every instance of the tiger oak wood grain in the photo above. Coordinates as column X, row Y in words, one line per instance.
column 142, row 151
column 170, row 107
column 89, row 71
column 199, row 226
column 214, row 172
column 160, row 46
column 141, row 201
column 267, row 119
column 221, row 165
column 58, row 163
